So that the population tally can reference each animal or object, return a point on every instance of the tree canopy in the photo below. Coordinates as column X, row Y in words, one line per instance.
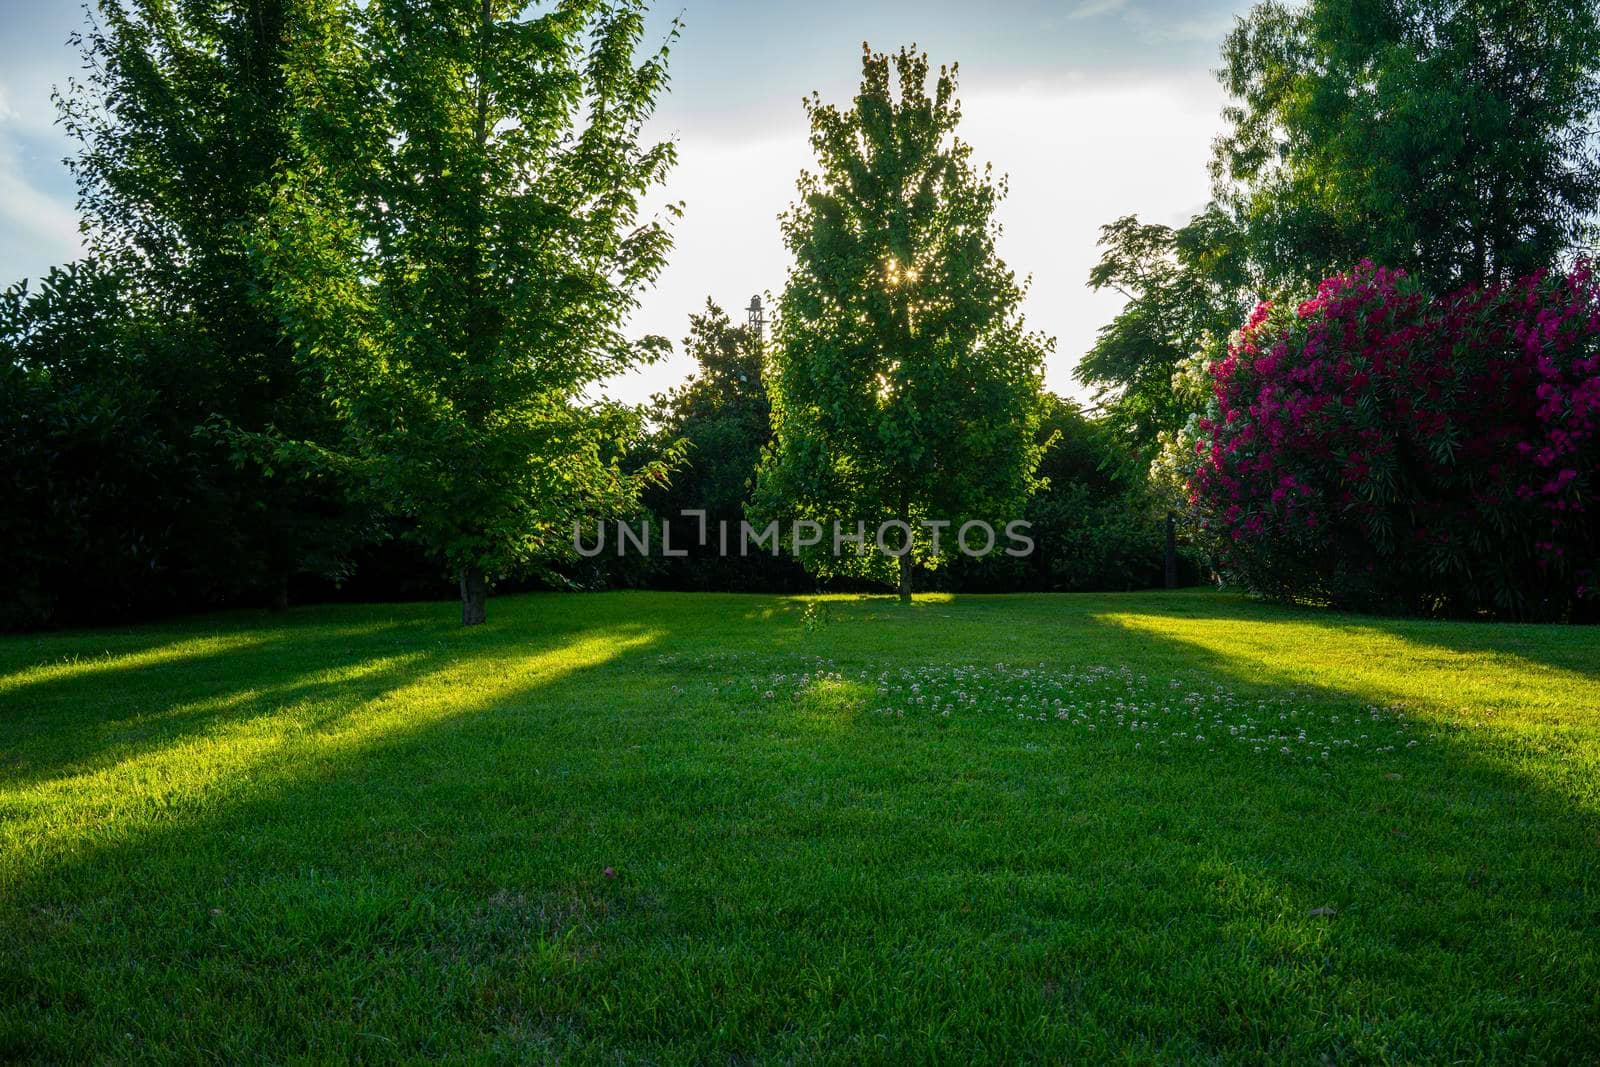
column 722, row 413
column 1186, row 290
column 904, row 384
column 1454, row 140
column 356, row 268
column 182, row 127
column 460, row 255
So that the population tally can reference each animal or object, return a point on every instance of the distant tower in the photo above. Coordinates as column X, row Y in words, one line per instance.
column 756, row 319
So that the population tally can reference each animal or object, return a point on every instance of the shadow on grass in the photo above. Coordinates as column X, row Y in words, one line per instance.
column 73, row 739
column 419, row 869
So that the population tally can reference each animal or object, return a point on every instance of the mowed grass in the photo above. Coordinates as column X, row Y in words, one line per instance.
column 667, row 828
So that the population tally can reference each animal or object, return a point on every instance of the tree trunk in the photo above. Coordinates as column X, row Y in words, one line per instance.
column 474, row 596
column 905, row 557
column 278, row 595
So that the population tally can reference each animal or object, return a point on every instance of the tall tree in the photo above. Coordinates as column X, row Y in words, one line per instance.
column 722, row 413
column 460, row 255
column 183, row 122
column 1454, row 139
column 721, row 418
column 904, row 385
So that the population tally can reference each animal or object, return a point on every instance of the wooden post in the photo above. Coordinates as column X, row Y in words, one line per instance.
column 1172, row 553
column 474, row 595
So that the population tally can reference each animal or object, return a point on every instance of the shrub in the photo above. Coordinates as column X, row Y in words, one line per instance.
column 1096, row 524
column 1383, row 450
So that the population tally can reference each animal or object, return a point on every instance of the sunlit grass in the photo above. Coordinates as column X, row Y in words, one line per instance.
column 972, row 829
column 1447, row 670
column 75, row 665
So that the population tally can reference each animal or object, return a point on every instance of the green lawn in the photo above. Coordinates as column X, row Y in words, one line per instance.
column 655, row 827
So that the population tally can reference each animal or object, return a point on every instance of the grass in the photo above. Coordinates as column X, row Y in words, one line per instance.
column 708, row 828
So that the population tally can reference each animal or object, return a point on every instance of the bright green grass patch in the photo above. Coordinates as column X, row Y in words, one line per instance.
column 1177, row 827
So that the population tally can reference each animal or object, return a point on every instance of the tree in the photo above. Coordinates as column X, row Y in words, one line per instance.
column 904, row 386
column 721, row 421
column 460, row 254
column 95, row 470
column 183, row 122
column 1185, row 292
column 1453, row 140
column 722, row 413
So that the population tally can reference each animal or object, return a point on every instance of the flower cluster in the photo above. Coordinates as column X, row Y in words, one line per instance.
column 1381, row 449
column 1114, row 706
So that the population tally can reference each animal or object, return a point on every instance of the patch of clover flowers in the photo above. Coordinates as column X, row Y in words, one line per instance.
column 1113, row 703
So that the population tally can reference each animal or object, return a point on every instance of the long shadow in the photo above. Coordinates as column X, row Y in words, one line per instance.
column 85, row 722
column 123, row 694
column 248, row 834
column 455, row 858
column 1479, row 859
column 32, row 667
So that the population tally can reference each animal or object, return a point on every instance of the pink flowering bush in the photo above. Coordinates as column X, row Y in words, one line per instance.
column 1384, row 450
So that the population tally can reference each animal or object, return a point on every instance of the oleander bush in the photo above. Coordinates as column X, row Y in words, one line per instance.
column 1382, row 449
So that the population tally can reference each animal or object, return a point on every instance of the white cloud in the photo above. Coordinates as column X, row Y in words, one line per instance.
column 37, row 228
column 26, row 106
column 1079, row 157
column 1089, row 9
column 1208, row 27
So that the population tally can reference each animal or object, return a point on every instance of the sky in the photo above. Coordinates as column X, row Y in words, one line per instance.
column 1094, row 109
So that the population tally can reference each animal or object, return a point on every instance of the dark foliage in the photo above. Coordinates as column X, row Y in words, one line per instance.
column 1096, row 525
